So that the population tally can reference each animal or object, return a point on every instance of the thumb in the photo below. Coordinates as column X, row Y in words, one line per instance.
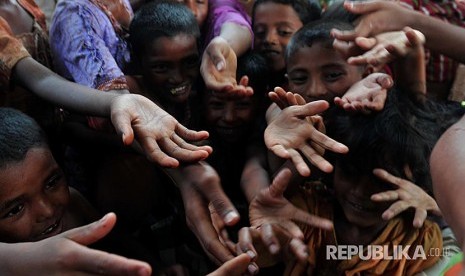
column 217, row 57
column 361, row 7
column 223, row 205
column 310, row 109
column 122, row 125
column 93, row 232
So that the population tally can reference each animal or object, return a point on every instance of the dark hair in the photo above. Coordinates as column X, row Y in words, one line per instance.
column 403, row 133
column 254, row 66
column 18, row 134
column 161, row 19
column 314, row 32
column 336, row 11
column 307, row 10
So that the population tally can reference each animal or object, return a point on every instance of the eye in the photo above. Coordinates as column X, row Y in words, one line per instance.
column 286, row 32
column 192, row 61
column 216, row 105
column 54, row 181
column 159, row 68
column 15, row 210
column 333, row 76
column 259, row 32
column 297, row 78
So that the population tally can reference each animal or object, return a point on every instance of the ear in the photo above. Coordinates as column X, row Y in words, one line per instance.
column 367, row 70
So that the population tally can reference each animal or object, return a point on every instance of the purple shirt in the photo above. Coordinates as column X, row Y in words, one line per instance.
column 223, row 11
column 84, row 44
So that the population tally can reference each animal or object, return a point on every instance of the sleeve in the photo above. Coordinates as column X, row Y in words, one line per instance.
column 78, row 42
column 225, row 11
column 11, row 51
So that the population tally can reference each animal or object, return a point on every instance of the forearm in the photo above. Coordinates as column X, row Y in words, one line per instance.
column 447, row 161
column 51, row 87
column 238, row 37
column 254, row 178
column 441, row 37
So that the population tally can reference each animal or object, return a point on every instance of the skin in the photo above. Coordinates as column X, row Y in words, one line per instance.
column 230, row 117
column 326, row 77
column 34, row 197
column 19, row 20
column 199, row 8
column 171, row 65
column 119, row 12
column 274, row 24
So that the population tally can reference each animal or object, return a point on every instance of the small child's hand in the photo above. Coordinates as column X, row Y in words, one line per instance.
column 408, row 195
column 289, row 133
column 234, row 267
column 387, row 47
column 218, row 69
column 366, row 95
column 285, row 99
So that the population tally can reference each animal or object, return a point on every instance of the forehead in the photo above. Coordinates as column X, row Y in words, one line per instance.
column 270, row 12
column 226, row 97
column 23, row 176
column 319, row 55
column 181, row 44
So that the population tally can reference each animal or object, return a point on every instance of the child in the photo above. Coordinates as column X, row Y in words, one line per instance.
column 384, row 147
column 165, row 41
column 274, row 22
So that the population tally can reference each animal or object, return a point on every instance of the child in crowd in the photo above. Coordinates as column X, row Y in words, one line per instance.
column 165, row 41
column 385, row 148
column 274, row 22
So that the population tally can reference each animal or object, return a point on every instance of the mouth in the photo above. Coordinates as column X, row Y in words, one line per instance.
column 180, row 90
column 271, row 53
column 52, row 229
column 361, row 208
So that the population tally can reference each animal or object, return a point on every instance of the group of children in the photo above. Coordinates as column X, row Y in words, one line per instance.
column 342, row 159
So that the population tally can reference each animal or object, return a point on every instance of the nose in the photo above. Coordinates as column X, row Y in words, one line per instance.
column 176, row 76
column 229, row 115
column 44, row 209
column 271, row 37
column 193, row 7
column 316, row 90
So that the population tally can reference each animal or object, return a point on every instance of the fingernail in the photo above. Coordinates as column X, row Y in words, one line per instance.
column 252, row 269
column 220, row 66
column 251, row 254
column 230, row 217
column 274, row 249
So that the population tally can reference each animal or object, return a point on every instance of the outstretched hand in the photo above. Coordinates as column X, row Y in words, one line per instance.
column 366, row 95
column 163, row 139
column 408, row 195
column 202, row 193
column 289, row 133
column 67, row 254
column 218, row 69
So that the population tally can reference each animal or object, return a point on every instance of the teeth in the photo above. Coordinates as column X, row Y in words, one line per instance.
column 50, row 229
column 178, row 90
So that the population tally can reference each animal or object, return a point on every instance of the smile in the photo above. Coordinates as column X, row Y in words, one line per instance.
column 179, row 90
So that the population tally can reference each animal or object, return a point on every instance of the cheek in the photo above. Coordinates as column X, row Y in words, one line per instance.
column 213, row 116
column 17, row 231
column 202, row 15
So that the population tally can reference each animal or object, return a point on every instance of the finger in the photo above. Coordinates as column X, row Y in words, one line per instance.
column 312, row 220
column 385, row 176
column 328, row 143
column 245, row 243
column 94, row 262
column 299, row 163
column 122, row 125
column 269, row 238
column 299, row 250
column 420, row 217
column 93, row 232
column 174, row 150
column 395, row 209
column 384, row 80
column 234, row 267
column 365, row 43
column 316, row 159
column 280, row 183
column 190, row 135
column 280, row 151
column 342, row 37
column 188, row 146
column 291, row 228
column 385, row 196
column 309, row 109
column 277, row 100
column 217, row 57
column 221, row 203
column 300, row 99
column 244, row 81
column 415, row 37
column 291, row 98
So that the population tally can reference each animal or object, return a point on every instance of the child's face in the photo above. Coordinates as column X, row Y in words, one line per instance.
column 33, row 198
column 199, row 8
column 320, row 73
column 171, row 66
column 229, row 117
column 354, row 196
column 274, row 24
